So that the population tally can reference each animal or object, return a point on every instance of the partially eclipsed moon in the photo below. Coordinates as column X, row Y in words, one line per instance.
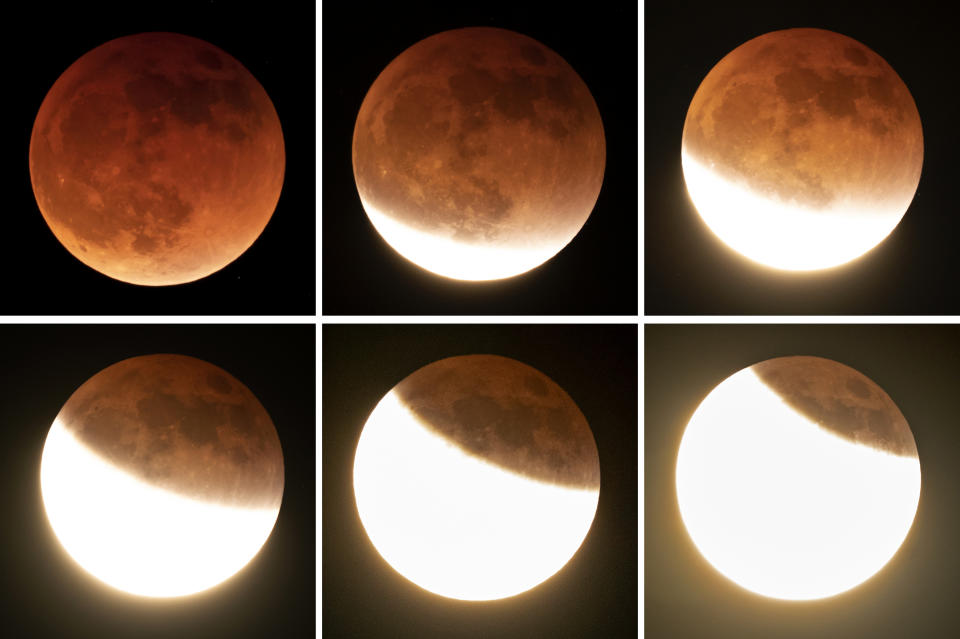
column 157, row 159
column 478, row 153
column 798, row 478
column 162, row 475
column 802, row 149
column 476, row 477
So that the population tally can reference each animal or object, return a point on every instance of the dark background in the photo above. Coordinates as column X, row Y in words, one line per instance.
column 915, row 594
column 47, row 594
column 594, row 595
column 689, row 271
column 595, row 274
column 277, row 274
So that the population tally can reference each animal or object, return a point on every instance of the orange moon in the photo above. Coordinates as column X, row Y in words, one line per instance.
column 162, row 475
column 802, row 149
column 157, row 159
column 478, row 153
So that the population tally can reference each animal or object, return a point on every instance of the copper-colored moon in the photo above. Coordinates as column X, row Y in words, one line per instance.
column 802, row 149
column 157, row 159
column 476, row 477
column 185, row 441
column 478, row 153
column 840, row 399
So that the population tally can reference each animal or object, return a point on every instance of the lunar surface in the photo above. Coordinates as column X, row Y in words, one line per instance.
column 478, row 153
column 802, row 149
column 476, row 477
column 162, row 475
column 798, row 478
column 157, row 159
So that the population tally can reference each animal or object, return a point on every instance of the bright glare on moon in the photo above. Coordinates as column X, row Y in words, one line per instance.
column 478, row 153
column 476, row 477
column 798, row 478
column 162, row 487
column 802, row 149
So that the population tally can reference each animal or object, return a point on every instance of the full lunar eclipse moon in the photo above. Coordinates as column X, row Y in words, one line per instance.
column 798, row 478
column 157, row 159
column 162, row 475
column 476, row 477
column 802, row 149
column 478, row 153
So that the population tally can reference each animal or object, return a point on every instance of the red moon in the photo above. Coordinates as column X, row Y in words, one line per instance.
column 157, row 159
column 802, row 149
column 478, row 153
column 183, row 425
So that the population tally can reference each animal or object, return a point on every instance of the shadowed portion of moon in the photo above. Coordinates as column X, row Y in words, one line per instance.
column 810, row 117
column 506, row 413
column 483, row 136
column 841, row 400
column 157, row 159
column 183, row 425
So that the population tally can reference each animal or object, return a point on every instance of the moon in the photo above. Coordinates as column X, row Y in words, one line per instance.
column 478, row 153
column 157, row 159
column 802, row 149
column 798, row 478
column 162, row 475
column 476, row 477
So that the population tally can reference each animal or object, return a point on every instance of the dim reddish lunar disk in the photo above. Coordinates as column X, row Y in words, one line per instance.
column 478, row 153
column 182, row 425
column 157, row 159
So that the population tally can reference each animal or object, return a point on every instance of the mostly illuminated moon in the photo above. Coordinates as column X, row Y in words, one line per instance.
column 157, row 159
column 162, row 475
column 798, row 478
column 476, row 477
column 478, row 153
column 802, row 149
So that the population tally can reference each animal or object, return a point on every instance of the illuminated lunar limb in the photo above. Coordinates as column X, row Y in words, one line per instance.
column 798, row 478
column 162, row 476
column 478, row 153
column 476, row 478
column 802, row 149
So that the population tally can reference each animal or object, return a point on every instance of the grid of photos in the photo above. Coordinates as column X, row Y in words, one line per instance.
column 340, row 312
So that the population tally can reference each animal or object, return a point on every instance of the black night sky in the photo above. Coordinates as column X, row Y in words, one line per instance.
column 687, row 270
column 47, row 594
column 276, row 275
column 595, row 274
column 594, row 595
column 914, row 595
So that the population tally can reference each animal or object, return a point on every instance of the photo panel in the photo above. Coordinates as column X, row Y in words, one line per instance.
column 797, row 161
column 479, row 480
column 160, row 480
column 163, row 163
column 799, row 480
column 490, row 170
